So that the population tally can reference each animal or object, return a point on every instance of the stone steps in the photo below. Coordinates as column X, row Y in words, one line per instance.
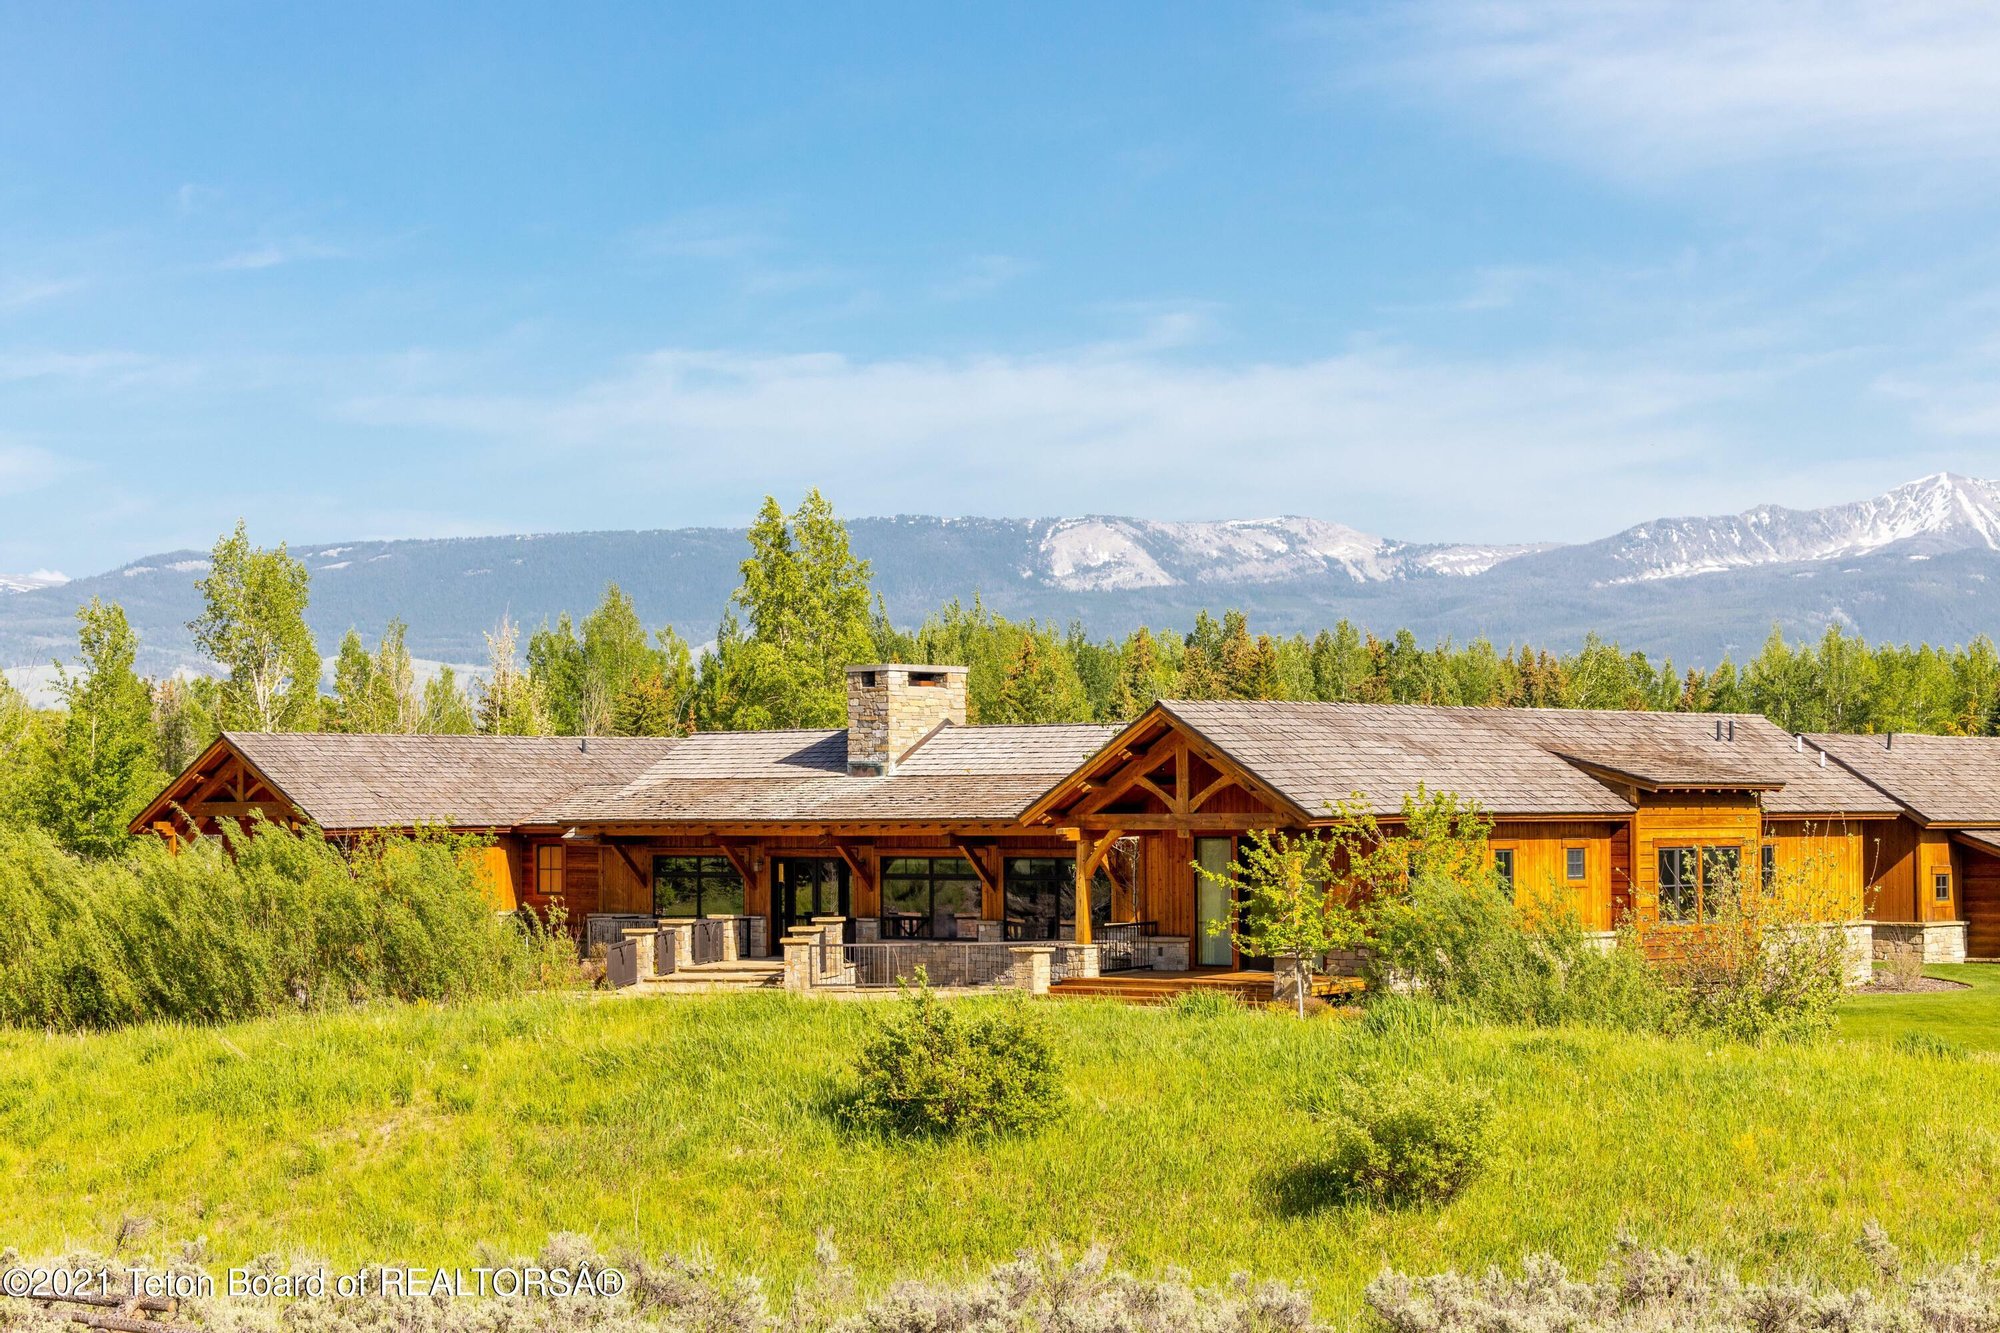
column 743, row 974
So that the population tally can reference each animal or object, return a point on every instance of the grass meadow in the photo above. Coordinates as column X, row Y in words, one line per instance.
column 415, row 1133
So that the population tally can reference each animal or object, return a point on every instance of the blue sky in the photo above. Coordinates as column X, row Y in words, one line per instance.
column 1493, row 271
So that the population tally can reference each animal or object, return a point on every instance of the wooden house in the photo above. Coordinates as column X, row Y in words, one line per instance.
column 1933, row 873
column 910, row 825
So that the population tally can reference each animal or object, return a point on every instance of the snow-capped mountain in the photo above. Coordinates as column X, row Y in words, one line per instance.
column 1939, row 513
column 1114, row 554
column 41, row 578
column 1921, row 562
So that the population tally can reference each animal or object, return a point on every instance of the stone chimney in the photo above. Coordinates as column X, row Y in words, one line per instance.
column 891, row 707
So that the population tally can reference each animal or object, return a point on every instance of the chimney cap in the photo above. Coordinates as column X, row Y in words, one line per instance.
column 904, row 666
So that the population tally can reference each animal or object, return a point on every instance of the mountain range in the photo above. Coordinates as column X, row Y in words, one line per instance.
column 1921, row 562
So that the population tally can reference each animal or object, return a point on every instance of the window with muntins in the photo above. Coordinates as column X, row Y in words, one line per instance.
column 1694, row 881
column 923, row 896
column 1941, row 886
column 549, row 870
column 696, row 886
column 1576, row 864
column 1041, row 896
column 1503, row 867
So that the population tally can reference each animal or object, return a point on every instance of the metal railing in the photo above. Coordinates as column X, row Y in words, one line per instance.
column 1119, row 945
column 953, row 964
column 708, row 940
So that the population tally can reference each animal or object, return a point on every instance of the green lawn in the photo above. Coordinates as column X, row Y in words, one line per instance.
column 415, row 1133
column 1969, row 1017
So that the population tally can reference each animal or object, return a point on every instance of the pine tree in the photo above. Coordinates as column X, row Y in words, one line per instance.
column 253, row 623
column 1041, row 686
column 805, row 597
column 556, row 676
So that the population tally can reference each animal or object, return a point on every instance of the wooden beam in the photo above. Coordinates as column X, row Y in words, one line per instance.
column 1180, row 823
column 1226, row 779
column 740, row 858
column 861, row 868
column 1124, row 902
column 1090, row 855
column 992, row 884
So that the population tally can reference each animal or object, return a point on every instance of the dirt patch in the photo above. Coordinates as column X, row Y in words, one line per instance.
column 1919, row 986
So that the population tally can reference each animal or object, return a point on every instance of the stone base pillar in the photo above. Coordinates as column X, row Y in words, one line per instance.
column 1086, row 960
column 1033, row 966
column 1285, row 981
column 643, row 966
column 682, row 933
column 729, row 940
column 799, row 953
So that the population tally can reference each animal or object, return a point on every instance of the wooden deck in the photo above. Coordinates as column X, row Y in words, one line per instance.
column 1143, row 987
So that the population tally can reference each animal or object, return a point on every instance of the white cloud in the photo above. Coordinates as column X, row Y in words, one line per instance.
column 1505, row 449
column 1645, row 88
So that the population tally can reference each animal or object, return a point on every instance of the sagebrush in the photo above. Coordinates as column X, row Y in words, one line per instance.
column 933, row 1068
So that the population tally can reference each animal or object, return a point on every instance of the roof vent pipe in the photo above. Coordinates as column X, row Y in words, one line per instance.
column 583, row 745
column 1822, row 758
column 1732, row 728
column 1718, row 728
column 1799, row 743
column 1889, row 741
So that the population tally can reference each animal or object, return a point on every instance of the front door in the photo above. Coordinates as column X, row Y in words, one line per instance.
column 1213, row 945
column 808, row 886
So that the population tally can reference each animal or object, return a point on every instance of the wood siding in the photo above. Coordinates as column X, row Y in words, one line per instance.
column 1981, row 890
column 1826, row 861
column 1541, row 868
column 1682, row 819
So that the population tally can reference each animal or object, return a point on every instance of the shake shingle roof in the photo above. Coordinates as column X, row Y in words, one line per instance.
column 1941, row 779
column 355, row 782
column 1516, row 761
column 958, row 774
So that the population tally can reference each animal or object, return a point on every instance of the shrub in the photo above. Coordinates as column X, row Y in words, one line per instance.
column 1465, row 944
column 1766, row 962
column 936, row 1069
column 1403, row 1140
column 230, row 928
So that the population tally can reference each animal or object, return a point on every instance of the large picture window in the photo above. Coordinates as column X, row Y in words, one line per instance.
column 1694, row 880
column 696, row 886
column 923, row 896
column 1041, row 897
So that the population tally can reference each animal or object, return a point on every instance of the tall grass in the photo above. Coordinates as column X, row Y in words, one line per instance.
column 414, row 1131
column 234, row 928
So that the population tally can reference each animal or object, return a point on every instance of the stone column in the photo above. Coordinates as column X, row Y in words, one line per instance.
column 798, row 953
column 1086, row 960
column 729, row 953
column 1032, row 968
column 683, row 934
column 643, row 966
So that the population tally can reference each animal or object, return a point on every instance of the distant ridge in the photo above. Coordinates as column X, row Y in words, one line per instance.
column 1921, row 562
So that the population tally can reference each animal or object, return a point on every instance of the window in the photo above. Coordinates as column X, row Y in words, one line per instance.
column 1576, row 864
column 1693, row 881
column 922, row 896
column 1503, row 867
column 1941, row 886
column 696, row 886
column 1768, row 864
column 549, row 870
column 1041, row 896
column 1680, row 888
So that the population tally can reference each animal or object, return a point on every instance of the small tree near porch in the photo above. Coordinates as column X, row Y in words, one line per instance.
column 1288, row 906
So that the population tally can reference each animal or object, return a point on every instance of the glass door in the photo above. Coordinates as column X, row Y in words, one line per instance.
column 806, row 887
column 1212, row 906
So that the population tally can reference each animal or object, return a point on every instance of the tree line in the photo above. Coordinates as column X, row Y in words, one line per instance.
column 803, row 612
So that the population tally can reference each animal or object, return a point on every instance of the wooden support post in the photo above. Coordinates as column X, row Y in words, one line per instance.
column 1083, row 877
column 866, row 898
column 992, row 884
